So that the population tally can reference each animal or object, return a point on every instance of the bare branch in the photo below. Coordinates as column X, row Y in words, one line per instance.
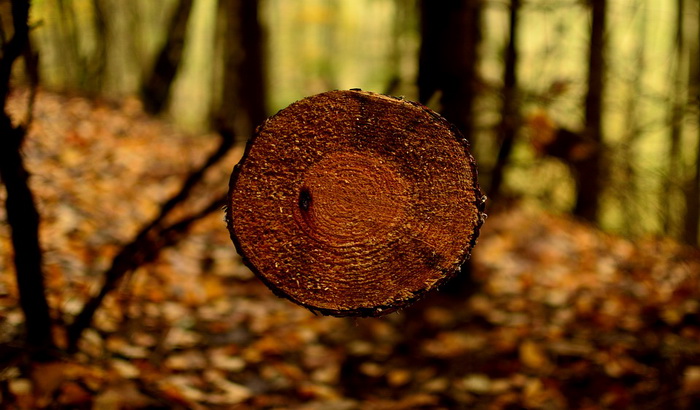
column 150, row 241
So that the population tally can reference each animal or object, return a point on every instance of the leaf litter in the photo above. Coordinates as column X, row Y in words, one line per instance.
column 562, row 315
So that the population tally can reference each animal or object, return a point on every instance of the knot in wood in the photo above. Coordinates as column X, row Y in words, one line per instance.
column 355, row 203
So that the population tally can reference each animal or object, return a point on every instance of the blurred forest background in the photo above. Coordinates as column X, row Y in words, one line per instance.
column 584, row 118
column 526, row 89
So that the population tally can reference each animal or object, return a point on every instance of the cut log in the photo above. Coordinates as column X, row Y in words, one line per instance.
column 355, row 203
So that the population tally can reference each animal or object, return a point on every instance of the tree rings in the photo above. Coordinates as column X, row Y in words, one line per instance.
column 355, row 203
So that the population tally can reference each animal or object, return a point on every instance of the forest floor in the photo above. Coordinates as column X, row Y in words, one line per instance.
column 560, row 316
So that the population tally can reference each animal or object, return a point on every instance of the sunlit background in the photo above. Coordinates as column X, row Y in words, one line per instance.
column 141, row 109
column 315, row 45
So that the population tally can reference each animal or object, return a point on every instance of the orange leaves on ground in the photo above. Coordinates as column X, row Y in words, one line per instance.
column 564, row 316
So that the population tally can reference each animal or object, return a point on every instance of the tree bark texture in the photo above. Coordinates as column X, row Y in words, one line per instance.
column 589, row 178
column 22, row 215
column 354, row 203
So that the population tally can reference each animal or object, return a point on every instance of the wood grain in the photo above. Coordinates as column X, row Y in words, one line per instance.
column 355, row 203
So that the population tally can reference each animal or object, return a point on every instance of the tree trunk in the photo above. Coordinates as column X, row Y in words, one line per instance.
column 242, row 106
column 22, row 215
column 156, row 87
column 676, row 122
column 99, row 60
column 588, row 196
column 692, row 219
column 633, row 129
column 448, row 60
column 69, row 33
column 510, row 116
column 692, row 202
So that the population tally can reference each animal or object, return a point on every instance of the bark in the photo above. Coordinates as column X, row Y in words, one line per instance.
column 588, row 196
column 156, row 87
column 510, row 116
column 354, row 203
column 22, row 215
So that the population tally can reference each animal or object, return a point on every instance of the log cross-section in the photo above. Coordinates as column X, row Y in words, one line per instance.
column 355, row 203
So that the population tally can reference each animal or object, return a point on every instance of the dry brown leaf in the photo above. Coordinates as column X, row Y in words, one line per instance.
column 534, row 356
column 74, row 395
column 189, row 360
column 122, row 395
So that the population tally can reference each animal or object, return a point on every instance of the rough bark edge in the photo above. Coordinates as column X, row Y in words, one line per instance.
column 479, row 203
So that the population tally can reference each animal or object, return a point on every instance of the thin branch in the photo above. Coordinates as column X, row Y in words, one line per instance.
column 150, row 241
column 227, row 142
